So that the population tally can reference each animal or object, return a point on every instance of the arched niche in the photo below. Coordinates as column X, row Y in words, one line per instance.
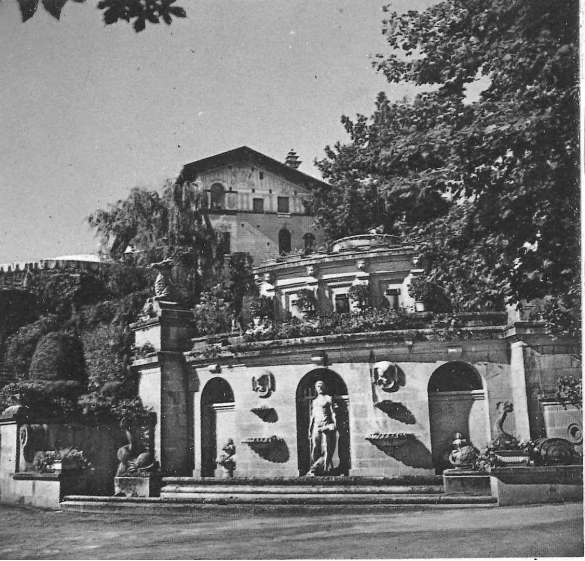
column 304, row 396
column 217, row 422
column 284, row 241
column 456, row 404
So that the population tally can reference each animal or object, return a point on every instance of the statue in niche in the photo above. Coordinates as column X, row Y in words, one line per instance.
column 227, row 460
column 322, row 431
column 163, row 284
column 385, row 375
column 264, row 384
column 503, row 439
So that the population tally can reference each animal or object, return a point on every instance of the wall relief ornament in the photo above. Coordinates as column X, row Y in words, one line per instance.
column 264, row 385
column 385, row 376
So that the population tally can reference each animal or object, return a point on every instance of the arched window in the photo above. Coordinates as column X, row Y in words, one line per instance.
column 217, row 196
column 284, row 244
column 455, row 377
column 309, row 241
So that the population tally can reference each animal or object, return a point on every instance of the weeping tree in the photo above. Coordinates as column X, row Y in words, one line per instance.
column 149, row 226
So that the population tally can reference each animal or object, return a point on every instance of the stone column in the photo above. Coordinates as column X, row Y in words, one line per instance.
column 518, row 383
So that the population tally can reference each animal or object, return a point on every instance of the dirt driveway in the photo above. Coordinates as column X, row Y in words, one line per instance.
column 401, row 532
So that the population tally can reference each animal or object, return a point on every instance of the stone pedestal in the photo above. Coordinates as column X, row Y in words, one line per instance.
column 466, row 482
column 144, row 485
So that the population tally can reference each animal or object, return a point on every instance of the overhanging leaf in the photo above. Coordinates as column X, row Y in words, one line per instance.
column 28, row 8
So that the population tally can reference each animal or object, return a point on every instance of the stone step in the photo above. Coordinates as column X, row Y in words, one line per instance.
column 345, row 481
column 268, row 504
column 171, row 489
column 304, row 498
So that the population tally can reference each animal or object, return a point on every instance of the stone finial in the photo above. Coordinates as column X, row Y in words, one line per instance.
column 163, row 284
column 292, row 160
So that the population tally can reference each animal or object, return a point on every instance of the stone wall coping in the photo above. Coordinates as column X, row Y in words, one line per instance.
column 572, row 474
column 145, row 361
column 51, row 264
column 30, row 476
column 13, row 414
column 321, row 258
column 408, row 334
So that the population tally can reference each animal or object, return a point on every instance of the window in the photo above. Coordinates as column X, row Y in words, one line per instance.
column 225, row 243
column 342, row 303
column 217, row 192
column 283, row 205
column 261, row 175
column 284, row 244
column 393, row 297
column 258, row 205
column 309, row 241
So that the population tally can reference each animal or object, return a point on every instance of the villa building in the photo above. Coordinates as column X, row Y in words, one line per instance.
column 256, row 202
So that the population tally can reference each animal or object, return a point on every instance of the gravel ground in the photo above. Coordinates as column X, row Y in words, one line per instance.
column 401, row 532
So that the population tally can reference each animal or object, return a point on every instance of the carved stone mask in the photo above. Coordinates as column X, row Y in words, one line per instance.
column 386, row 375
column 264, row 384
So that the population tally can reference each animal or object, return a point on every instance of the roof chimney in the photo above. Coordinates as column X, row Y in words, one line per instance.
column 292, row 160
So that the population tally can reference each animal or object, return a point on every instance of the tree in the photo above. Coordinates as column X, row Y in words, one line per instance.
column 152, row 226
column 139, row 12
column 488, row 189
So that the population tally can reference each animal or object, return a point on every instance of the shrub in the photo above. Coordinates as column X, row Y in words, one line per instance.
column 59, row 356
column 21, row 346
column 214, row 313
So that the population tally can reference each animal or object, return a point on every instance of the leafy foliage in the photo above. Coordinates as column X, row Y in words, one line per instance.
column 215, row 311
column 105, row 339
column 488, row 189
column 44, row 460
column 58, row 356
column 137, row 12
column 306, row 300
column 570, row 391
column 360, row 295
column 262, row 306
column 174, row 224
column 440, row 326
column 21, row 346
column 489, row 458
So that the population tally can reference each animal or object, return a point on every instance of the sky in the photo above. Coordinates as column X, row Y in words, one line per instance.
column 89, row 111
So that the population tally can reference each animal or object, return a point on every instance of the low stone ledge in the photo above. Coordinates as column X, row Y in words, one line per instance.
column 533, row 485
column 45, row 490
column 466, row 482
column 144, row 485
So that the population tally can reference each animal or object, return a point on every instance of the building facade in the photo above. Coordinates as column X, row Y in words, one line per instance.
column 256, row 202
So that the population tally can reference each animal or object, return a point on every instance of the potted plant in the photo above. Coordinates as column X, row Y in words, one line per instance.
column 421, row 290
column 359, row 296
column 61, row 461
